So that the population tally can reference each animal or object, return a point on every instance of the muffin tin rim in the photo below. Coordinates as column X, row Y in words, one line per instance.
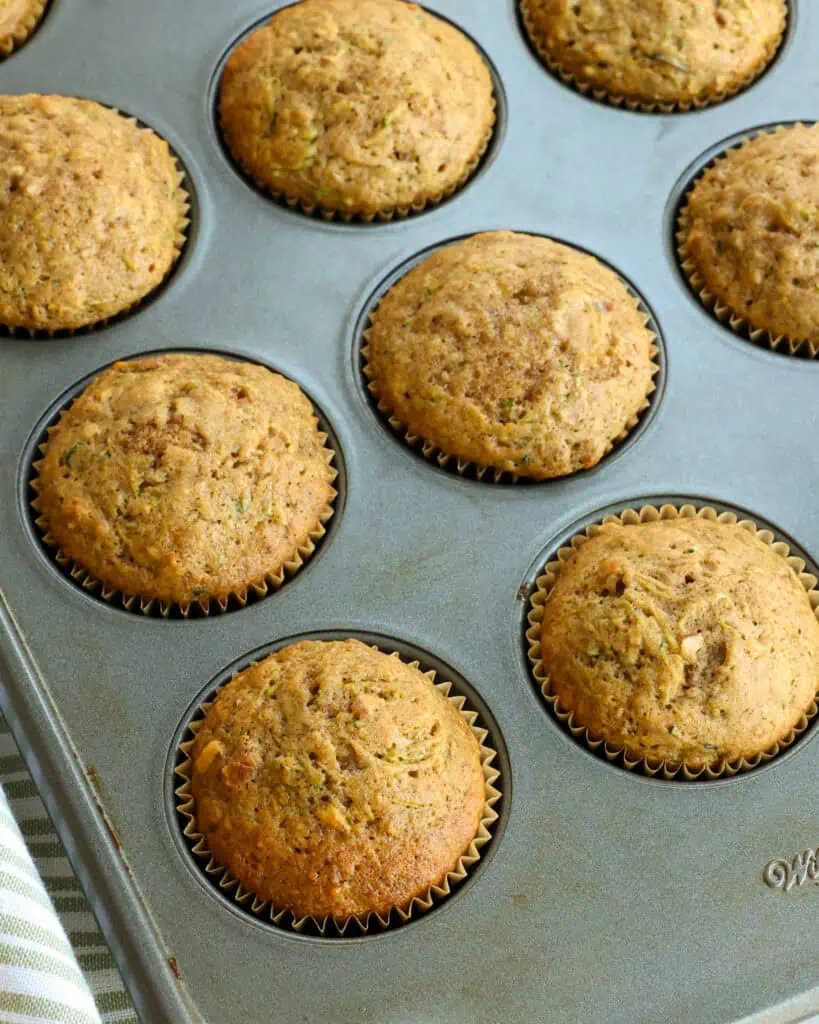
column 408, row 651
column 520, row 626
column 25, row 473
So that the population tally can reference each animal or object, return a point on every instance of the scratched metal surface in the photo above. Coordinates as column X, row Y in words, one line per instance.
column 608, row 897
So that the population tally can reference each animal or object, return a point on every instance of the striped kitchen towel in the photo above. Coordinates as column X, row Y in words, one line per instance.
column 40, row 980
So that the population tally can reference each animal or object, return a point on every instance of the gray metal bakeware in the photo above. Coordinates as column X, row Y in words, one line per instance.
column 604, row 895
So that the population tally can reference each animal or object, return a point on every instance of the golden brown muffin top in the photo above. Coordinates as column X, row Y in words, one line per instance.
column 658, row 51
column 335, row 780
column 17, row 21
column 357, row 106
column 514, row 352
column 750, row 232
column 185, row 477
column 687, row 640
column 91, row 212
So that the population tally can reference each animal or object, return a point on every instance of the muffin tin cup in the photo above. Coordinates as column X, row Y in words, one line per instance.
column 656, row 768
column 642, row 106
column 348, row 216
column 14, row 40
column 281, row 916
column 255, row 589
column 725, row 314
column 465, row 467
column 180, row 242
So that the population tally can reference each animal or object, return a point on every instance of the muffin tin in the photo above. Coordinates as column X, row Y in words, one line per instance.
column 603, row 894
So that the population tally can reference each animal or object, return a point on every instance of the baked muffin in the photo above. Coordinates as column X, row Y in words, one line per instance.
column 358, row 107
column 511, row 352
column 336, row 781
column 184, row 478
column 678, row 53
column 18, row 19
column 92, row 212
column 686, row 640
column 749, row 235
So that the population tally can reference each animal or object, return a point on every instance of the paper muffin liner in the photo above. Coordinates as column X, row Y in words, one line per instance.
column 466, row 467
column 180, row 242
column 722, row 312
column 348, row 216
column 284, row 918
column 257, row 588
column 656, row 767
column 14, row 40
column 629, row 103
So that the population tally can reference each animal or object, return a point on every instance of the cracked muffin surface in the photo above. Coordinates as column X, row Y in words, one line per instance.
column 685, row 640
column 185, row 477
column 361, row 107
column 667, row 52
column 514, row 352
column 335, row 780
column 749, row 233
column 92, row 212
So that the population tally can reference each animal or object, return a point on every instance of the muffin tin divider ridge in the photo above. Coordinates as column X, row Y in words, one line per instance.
column 588, row 853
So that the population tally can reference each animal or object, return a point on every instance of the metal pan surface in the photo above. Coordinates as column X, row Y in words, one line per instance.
column 604, row 895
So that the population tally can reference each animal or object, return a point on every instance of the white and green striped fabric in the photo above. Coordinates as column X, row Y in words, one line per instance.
column 40, row 980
